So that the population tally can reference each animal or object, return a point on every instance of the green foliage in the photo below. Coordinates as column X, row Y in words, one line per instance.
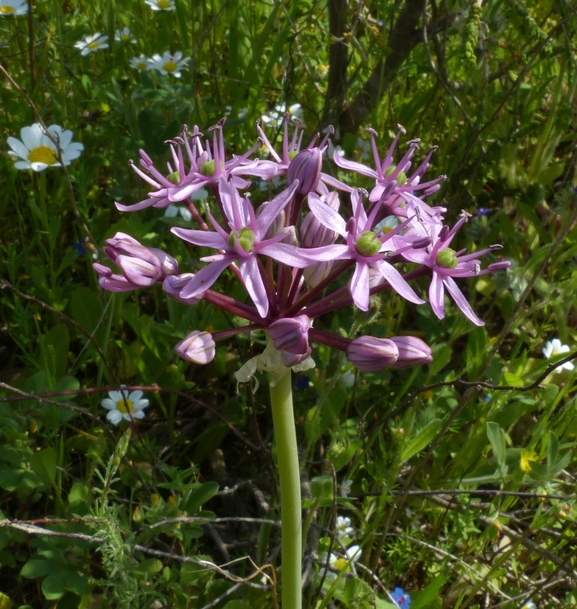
column 461, row 472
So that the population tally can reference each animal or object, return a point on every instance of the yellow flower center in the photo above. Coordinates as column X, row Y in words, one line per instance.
column 141, row 65
column 125, row 37
column 163, row 4
column 125, row 405
column 93, row 45
column 340, row 564
column 169, row 66
column 43, row 154
column 6, row 10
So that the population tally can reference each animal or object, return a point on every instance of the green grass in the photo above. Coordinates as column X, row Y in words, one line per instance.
column 463, row 471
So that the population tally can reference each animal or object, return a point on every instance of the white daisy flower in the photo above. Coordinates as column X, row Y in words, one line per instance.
column 554, row 348
column 168, row 64
column 13, row 7
column 92, row 43
column 124, row 405
column 528, row 605
column 161, row 5
column 38, row 152
column 124, row 35
column 344, row 528
column 140, row 63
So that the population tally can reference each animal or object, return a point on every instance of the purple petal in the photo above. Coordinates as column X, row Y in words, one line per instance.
column 326, row 253
column 255, row 285
column 437, row 296
column 286, row 254
column 461, row 301
column 270, row 212
column 138, row 206
column 326, row 215
column 396, row 281
column 205, row 278
column 356, row 167
column 360, row 286
column 200, row 237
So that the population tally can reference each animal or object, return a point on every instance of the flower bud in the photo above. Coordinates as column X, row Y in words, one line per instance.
column 371, row 354
column 291, row 334
column 412, row 351
column 312, row 232
column 306, row 168
column 197, row 347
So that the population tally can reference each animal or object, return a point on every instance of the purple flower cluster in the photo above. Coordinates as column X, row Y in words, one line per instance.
column 292, row 253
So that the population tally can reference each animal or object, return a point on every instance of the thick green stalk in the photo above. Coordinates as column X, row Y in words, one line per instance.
column 281, row 400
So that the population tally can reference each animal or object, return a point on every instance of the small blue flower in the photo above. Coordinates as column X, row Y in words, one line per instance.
column 401, row 598
column 482, row 211
column 80, row 247
column 303, row 381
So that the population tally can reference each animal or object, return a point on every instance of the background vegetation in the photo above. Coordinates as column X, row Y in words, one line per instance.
column 463, row 472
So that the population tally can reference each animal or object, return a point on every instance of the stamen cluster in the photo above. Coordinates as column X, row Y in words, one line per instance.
column 291, row 253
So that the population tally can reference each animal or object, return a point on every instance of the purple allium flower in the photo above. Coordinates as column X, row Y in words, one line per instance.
column 401, row 599
column 243, row 241
column 364, row 246
column 291, row 261
column 193, row 167
column 393, row 185
column 446, row 264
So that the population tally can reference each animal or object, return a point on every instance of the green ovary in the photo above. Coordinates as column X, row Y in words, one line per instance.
column 447, row 258
column 42, row 154
column 174, row 177
column 368, row 244
column 245, row 238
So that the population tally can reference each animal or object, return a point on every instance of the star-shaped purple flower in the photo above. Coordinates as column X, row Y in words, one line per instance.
column 362, row 245
column 244, row 241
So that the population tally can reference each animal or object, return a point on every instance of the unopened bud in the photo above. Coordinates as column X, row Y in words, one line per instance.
column 371, row 354
column 412, row 351
column 291, row 334
column 197, row 347
column 306, row 168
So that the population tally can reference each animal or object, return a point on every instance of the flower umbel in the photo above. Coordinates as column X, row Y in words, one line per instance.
column 124, row 405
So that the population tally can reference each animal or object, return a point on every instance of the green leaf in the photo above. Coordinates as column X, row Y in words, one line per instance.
column 552, row 449
column 322, row 488
column 57, row 582
column 44, row 464
column 356, row 592
column 201, row 495
column 37, row 568
column 497, row 438
column 426, row 598
column 422, row 439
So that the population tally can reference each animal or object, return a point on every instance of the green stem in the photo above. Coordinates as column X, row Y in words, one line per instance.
column 281, row 400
